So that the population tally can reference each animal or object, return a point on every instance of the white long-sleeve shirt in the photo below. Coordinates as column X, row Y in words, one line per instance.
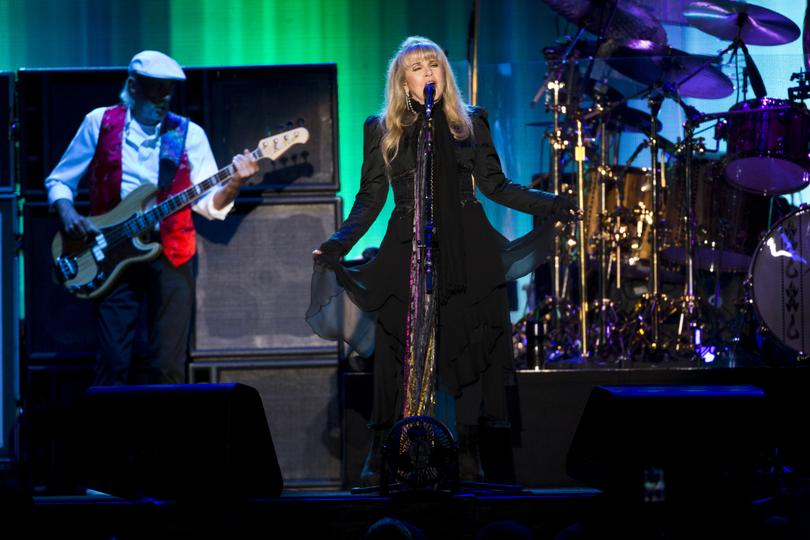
column 140, row 158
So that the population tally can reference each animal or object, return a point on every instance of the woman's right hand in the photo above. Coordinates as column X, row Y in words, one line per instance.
column 316, row 253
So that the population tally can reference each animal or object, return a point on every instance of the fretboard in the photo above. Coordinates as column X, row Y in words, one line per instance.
column 146, row 220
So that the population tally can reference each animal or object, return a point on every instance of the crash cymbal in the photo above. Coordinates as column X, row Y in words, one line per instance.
column 582, row 48
column 649, row 63
column 613, row 19
column 755, row 25
column 624, row 118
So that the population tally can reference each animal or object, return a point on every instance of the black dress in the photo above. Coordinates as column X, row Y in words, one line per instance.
column 366, row 305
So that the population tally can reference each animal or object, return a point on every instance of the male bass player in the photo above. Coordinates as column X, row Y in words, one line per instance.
column 121, row 148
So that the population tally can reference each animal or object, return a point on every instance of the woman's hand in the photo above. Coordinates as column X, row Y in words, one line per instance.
column 316, row 253
column 565, row 209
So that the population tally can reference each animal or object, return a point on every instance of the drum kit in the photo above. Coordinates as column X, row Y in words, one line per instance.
column 661, row 247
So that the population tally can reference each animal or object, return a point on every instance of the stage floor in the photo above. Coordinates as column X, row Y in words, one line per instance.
column 550, row 514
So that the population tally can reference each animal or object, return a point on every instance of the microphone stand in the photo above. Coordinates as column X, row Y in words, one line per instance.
column 427, row 130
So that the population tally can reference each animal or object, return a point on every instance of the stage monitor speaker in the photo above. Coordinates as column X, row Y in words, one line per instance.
column 682, row 444
column 7, row 178
column 254, row 277
column 242, row 105
column 9, row 323
column 58, row 326
column 175, row 442
column 300, row 397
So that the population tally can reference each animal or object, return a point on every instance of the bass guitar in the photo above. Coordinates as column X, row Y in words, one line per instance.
column 88, row 267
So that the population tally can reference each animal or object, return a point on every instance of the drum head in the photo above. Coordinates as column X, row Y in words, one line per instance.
column 780, row 277
column 767, row 175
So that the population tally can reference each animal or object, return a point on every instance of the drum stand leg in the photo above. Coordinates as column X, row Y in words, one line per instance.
column 656, row 298
column 690, row 327
column 608, row 345
column 579, row 157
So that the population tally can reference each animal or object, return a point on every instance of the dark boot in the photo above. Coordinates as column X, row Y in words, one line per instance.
column 370, row 475
column 469, row 457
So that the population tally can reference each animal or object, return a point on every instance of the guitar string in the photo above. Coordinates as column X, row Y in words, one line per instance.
column 123, row 231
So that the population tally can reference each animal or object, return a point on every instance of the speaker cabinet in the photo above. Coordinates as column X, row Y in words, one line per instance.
column 52, row 105
column 175, row 442
column 254, row 277
column 58, row 325
column 9, row 325
column 300, row 397
column 244, row 104
column 676, row 443
column 7, row 177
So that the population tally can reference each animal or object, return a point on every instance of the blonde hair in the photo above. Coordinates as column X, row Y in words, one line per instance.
column 396, row 116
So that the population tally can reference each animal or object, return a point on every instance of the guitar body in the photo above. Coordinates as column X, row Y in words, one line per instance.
column 89, row 269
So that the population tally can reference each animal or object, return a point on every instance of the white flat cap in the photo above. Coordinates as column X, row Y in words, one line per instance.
column 157, row 65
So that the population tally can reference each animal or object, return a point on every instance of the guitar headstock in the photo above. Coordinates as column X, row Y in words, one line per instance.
column 272, row 147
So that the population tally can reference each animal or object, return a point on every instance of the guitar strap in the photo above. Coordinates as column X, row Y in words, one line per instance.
column 172, row 143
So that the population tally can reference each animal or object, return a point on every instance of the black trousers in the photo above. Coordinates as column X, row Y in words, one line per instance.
column 143, row 325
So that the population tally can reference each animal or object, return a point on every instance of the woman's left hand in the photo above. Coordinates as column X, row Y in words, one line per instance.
column 565, row 209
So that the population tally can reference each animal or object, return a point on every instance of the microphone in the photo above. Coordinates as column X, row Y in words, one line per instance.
column 430, row 93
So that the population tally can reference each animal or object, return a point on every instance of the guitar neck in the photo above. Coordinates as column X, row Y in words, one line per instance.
column 178, row 201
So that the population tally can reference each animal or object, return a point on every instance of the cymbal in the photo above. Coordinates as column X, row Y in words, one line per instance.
column 583, row 48
column 614, row 19
column 650, row 63
column 624, row 118
column 755, row 25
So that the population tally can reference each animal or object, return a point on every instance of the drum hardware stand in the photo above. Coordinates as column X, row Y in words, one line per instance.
column 579, row 157
column 654, row 100
column 554, row 76
column 690, row 317
column 800, row 92
column 689, row 302
column 556, row 312
column 606, row 336
column 558, row 145
column 751, row 71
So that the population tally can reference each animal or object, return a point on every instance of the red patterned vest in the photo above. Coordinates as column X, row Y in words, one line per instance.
column 105, row 172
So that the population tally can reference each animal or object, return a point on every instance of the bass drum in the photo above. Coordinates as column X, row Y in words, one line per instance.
column 780, row 281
